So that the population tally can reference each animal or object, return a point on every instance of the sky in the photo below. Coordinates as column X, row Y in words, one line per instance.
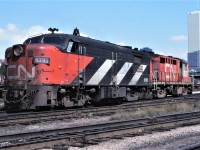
column 158, row 24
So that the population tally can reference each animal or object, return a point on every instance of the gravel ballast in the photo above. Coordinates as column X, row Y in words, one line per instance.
column 169, row 140
column 57, row 124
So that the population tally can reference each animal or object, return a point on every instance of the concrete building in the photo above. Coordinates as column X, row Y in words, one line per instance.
column 194, row 31
column 194, row 58
column 194, row 39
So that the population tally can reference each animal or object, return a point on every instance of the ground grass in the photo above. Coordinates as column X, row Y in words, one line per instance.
column 156, row 111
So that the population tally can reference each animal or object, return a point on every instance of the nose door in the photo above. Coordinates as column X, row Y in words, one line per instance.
column 20, row 66
column 81, row 66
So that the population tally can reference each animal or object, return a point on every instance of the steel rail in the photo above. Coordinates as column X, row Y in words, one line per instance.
column 195, row 146
column 86, row 134
column 35, row 117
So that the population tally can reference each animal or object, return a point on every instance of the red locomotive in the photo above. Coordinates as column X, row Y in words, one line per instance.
column 170, row 76
column 70, row 70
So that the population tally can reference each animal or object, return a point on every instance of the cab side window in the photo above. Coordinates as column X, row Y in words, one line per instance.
column 137, row 59
column 82, row 50
column 69, row 47
column 76, row 47
column 162, row 60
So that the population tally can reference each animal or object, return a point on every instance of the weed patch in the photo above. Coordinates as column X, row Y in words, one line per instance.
column 155, row 111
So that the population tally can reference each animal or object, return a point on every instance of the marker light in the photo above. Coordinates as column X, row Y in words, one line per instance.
column 41, row 60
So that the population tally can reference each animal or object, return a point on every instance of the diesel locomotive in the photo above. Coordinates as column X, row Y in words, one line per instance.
column 57, row 69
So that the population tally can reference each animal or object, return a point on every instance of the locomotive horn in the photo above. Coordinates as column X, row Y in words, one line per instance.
column 53, row 30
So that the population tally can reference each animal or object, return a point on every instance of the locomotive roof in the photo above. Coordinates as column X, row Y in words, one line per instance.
column 92, row 42
column 103, row 45
column 164, row 56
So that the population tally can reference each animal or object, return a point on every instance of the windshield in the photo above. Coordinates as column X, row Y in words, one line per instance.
column 33, row 40
column 54, row 40
column 58, row 41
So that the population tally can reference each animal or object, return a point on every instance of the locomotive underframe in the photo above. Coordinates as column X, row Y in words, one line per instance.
column 30, row 96
column 36, row 96
column 162, row 90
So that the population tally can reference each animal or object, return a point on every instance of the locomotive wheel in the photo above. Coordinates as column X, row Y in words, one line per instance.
column 161, row 93
column 12, row 107
column 67, row 102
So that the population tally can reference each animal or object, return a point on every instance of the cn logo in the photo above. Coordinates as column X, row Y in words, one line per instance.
column 19, row 69
column 170, row 71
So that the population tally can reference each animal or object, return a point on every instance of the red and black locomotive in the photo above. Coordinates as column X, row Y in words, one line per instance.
column 70, row 70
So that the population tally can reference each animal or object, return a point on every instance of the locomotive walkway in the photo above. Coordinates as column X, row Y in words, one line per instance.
column 36, row 117
column 93, row 134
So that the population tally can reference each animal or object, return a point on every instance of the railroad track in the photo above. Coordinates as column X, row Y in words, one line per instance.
column 93, row 134
column 36, row 117
column 191, row 147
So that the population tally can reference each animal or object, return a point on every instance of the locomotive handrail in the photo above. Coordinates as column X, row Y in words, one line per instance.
column 155, row 81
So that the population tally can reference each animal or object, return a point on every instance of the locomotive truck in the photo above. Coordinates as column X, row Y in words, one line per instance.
column 66, row 70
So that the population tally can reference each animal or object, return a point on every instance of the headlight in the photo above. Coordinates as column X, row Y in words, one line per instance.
column 18, row 50
column 41, row 60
